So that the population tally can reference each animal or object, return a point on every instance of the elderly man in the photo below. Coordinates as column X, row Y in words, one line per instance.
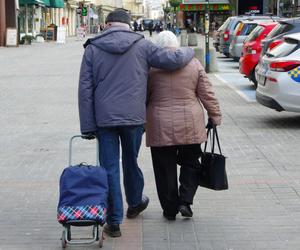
column 112, row 106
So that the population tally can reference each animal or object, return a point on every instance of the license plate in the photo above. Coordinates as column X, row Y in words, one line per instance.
column 261, row 80
column 264, row 68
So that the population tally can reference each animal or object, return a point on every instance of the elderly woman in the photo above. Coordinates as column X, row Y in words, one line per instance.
column 176, row 127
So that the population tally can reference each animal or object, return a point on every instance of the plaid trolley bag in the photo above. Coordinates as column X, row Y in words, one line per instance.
column 83, row 199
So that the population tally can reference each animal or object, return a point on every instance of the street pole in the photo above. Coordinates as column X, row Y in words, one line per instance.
column 2, row 22
column 207, row 56
column 278, row 4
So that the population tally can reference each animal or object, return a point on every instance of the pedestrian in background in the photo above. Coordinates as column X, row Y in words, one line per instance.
column 135, row 25
column 175, row 128
column 112, row 106
column 150, row 27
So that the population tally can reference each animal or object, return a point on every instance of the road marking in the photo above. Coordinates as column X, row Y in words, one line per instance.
column 239, row 92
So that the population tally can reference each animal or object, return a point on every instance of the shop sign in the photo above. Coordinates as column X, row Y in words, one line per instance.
column 61, row 34
column 11, row 37
column 201, row 7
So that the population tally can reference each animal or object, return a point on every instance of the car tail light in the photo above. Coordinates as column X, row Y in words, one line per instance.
column 226, row 35
column 274, row 44
column 272, row 79
column 284, row 66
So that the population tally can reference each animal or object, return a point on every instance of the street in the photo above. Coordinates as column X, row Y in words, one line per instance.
column 39, row 113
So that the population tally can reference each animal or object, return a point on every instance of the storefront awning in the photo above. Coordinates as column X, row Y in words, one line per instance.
column 56, row 3
column 30, row 2
column 205, row 2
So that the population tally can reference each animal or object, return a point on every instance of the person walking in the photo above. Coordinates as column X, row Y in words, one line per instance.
column 150, row 27
column 175, row 128
column 112, row 106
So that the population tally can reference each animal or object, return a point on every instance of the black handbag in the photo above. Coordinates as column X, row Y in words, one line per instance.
column 213, row 173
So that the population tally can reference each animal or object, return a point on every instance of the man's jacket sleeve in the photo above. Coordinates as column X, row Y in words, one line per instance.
column 168, row 59
column 86, row 94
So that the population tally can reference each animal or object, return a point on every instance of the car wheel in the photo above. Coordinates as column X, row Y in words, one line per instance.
column 253, row 77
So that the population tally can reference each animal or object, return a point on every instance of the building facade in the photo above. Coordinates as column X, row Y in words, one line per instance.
column 42, row 17
column 8, row 18
column 135, row 8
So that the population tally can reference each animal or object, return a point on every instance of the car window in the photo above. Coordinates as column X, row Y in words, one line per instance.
column 238, row 28
column 255, row 33
column 247, row 29
column 279, row 29
column 284, row 49
column 226, row 24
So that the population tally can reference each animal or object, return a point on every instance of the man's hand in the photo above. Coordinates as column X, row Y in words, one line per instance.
column 88, row 136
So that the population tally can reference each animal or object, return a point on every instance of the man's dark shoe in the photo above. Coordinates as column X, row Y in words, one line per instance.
column 185, row 211
column 169, row 217
column 133, row 212
column 112, row 230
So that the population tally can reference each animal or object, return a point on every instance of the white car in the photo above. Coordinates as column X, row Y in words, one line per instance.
column 278, row 75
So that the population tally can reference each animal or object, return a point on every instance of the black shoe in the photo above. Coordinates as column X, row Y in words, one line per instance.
column 112, row 230
column 185, row 211
column 133, row 212
column 169, row 217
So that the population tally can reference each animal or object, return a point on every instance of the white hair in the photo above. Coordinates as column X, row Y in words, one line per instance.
column 167, row 39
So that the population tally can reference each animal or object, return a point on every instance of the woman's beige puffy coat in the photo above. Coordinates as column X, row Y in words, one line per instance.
column 174, row 114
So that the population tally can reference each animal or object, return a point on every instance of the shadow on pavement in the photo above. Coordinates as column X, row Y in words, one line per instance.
column 290, row 122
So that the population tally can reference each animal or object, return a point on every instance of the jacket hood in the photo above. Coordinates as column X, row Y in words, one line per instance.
column 115, row 40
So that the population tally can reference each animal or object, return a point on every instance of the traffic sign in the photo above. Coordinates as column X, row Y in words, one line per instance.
column 84, row 11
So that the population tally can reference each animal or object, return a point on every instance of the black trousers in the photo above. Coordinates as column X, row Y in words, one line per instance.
column 165, row 160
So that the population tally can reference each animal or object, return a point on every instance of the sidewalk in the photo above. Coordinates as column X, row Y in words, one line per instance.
column 39, row 113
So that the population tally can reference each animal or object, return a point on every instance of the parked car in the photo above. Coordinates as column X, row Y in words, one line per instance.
column 146, row 22
column 275, row 37
column 279, row 76
column 252, row 49
column 216, row 42
column 241, row 32
column 158, row 25
column 227, row 34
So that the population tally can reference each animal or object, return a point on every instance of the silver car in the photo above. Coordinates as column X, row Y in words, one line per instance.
column 227, row 34
column 278, row 76
column 242, row 30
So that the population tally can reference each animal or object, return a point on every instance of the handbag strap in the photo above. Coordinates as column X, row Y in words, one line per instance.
column 215, row 131
column 213, row 136
column 209, row 136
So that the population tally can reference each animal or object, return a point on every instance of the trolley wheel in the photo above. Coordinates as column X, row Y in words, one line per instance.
column 63, row 240
column 69, row 233
column 101, row 238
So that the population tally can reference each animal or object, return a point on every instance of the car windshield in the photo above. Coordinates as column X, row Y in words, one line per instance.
column 247, row 29
column 284, row 49
column 255, row 33
column 279, row 29
column 147, row 21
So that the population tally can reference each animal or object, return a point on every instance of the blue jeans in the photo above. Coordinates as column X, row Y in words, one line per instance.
column 109, row 141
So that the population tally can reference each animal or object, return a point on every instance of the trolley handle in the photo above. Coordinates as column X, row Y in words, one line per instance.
column 70, row 149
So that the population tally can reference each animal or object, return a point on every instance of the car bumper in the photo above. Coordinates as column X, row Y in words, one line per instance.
column 268, row 102
column 248, row 63
column 224, row 48
column 235, row 51
column 284, row 90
